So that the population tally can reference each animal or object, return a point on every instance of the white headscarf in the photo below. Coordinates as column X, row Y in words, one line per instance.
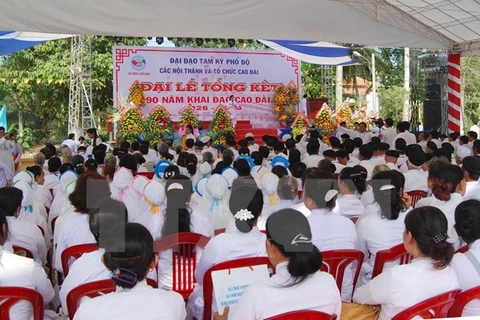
column 269, row 183
column 217, row 188
column 122, row 182
column 230, row 174
column 153, row 218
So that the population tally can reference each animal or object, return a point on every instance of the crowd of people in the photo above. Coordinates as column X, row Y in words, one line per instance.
column 286, row 199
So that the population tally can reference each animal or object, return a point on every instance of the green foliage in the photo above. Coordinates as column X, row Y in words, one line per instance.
column 391, row 102
column 35, row 82
column 28, row 138
column 471, row 89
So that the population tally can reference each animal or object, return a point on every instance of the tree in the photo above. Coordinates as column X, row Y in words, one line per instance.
column 391, row 101
column 34, row 82
column 471, row 90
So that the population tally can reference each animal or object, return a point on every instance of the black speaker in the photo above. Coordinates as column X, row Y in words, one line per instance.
column 433, row 91
column 432, row 114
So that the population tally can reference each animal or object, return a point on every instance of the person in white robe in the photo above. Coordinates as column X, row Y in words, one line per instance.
column 381, row 226
column 471, row 172
column 351, row 184
column 329, row 231
column 288, row 235
column 242, row 239
column 6, row 150
column 22, row 272
column 416, row 178
column 133, row 298
column 427, row 275
column 89, row 267
column 448, row 187
column 466, row 265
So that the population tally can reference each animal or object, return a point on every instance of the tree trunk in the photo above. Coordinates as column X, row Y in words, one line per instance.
column 20, row 122
column 355, row 86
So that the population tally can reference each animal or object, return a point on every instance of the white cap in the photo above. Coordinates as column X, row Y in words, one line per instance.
column 205, row 139
column 463, row 152
column 249, row 135
column 286, row 137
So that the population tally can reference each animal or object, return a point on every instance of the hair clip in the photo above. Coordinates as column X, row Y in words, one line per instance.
column 387, row 187
column 439, row 238
column 175, row 186
column 330, row 194
column 117, row 273
column 300, row 238
column 244, row 215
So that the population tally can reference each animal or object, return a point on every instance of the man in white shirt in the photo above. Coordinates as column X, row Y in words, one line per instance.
column 303, row 105
column 434, row 136
column 391, row 158
column 415, row 177
column 362, row 132
column 312, row 160
column 365, row 155
column 472, row 136
column 389, row 134
column 70, row 143
column 471, row 172
column 402, row 129
column 207, row 147
column 252, row 146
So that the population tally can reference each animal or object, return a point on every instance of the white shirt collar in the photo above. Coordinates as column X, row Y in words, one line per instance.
column 322, row 211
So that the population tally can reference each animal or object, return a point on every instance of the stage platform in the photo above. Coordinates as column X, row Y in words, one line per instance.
column 243, row 127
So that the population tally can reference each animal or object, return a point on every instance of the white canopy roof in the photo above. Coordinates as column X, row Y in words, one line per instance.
column 436, row 24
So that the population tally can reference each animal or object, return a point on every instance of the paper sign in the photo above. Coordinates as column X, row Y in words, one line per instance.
column 228, row 285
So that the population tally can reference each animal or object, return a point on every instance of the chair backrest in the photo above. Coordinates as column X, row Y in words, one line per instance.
column 92, row 290
column 416, row 195
column 9, row 296
column 148, row 175
column 304, row 315
column 20, row 250
column 433, row 308
column 462, row 249
column 219, row 231
column 75, row 252
column 232, row 264
column 336, row 261
column 184, row 262
column 461, row 300
column 395, row 253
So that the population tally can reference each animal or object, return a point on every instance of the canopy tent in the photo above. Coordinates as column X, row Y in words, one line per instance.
column 11, row 42
column 436, row 24
column 323, row 53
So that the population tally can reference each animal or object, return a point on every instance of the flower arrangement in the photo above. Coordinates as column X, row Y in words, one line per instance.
column 188, row 117
column 159, row 124
column 285, row 98
column 132, row 124
column 300, row 124
column 361, row 115
column 324, row 121
column 221, row 125
column 137, row 95
column 344, row 113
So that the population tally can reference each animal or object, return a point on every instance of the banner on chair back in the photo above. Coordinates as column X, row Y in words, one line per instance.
column 228, row 285
column 203, row 78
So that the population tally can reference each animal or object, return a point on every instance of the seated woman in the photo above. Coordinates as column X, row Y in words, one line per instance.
column 287, row 191
column 351, row 183
column 329, row 231
column 467, row 224
column 179, row 217
column 16, row 271
column 298, row 284
column 381, row 226
column 448, row 187
column 129, row 259
column 89, row 189
column 89, row 267
column 428, row 275
column 241, row 239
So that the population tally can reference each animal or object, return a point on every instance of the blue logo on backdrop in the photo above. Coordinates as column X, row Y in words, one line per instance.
column 138, row 63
